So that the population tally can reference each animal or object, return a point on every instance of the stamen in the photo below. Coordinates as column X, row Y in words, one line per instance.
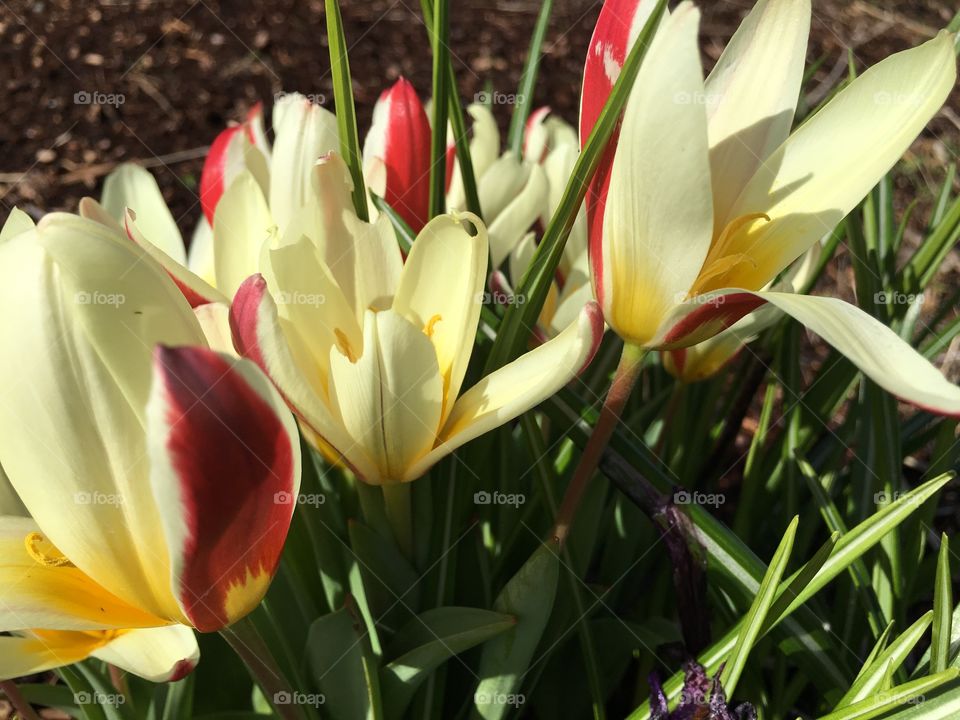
column 44, row 551
column 343, row 344
column 428, row 328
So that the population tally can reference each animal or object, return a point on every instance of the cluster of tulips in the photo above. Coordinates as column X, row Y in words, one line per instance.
column 155, row 396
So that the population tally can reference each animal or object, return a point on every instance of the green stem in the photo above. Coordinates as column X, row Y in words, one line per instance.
column 396, row 500
column 24, row 709
column 623, row 381
column 245, row 640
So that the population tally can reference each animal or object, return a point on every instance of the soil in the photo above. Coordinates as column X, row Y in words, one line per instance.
column 166, row 75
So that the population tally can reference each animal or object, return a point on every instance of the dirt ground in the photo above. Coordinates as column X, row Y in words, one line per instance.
column 164, row 76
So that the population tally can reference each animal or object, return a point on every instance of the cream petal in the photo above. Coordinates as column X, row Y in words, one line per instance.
column 751, row 96
column 242, row 224
column 163, row 654
column 441, row 290
column 827, row 166
column 658, row 221
column 131, row 186
column 91, row 307
column 517, row 387
column 17, row 222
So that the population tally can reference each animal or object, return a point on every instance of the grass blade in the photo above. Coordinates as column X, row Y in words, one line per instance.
column 528, row 80
column 942, row 610
column 755, row 619
column 346, row 111
column 438, row 146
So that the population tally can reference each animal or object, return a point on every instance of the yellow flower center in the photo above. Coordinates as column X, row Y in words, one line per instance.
column 44, row 551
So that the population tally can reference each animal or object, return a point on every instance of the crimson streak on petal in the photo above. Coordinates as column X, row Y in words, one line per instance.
column 231, row 459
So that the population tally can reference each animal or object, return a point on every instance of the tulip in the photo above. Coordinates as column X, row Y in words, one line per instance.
column 371, row 352
column 708, row 196
column 396, row 154
column 148, row 466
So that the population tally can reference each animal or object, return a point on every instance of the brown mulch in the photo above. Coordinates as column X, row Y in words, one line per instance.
column 185, row 68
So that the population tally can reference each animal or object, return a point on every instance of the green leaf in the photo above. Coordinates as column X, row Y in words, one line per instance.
column 911, row 695
column 535, row 283
column 753, row 622
column 429, row 640
column 346, row 111
column 850, row 547
column 870, row 680
column 388, row 577
column 55, row 696
column 528, row 80
column 855, row 543
column 336, row 665
column 529, row 597
column 438, row 146
column 942, row 611
column 405, row 234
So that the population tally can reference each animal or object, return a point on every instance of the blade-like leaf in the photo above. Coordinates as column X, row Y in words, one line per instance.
column 528, row 81
column 343, row 101
column 430, row 640
column 870, row 681
column 336, row 666
column 911, row 695
column 753, row 622
column 942, row 610
column 528, row 596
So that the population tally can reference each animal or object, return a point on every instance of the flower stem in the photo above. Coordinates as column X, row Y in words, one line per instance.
column 245, row 640
column 24, row 709
column 623, row 381
column 396, row 500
